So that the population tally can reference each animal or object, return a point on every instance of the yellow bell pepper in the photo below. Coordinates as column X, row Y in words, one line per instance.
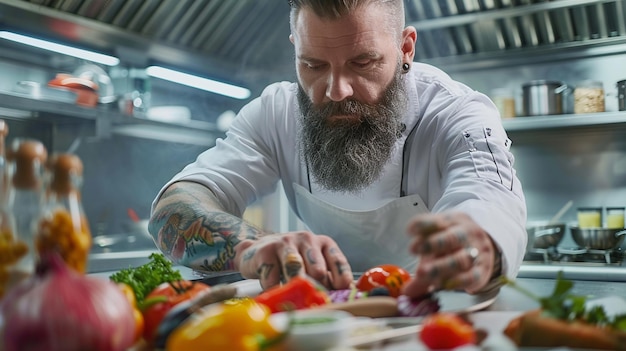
column 239, row 324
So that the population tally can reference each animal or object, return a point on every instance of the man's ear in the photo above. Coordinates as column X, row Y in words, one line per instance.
column 409, row 38
column 291, row 38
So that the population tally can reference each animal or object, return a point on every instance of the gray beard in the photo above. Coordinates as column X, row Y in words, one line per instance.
column 348, row 156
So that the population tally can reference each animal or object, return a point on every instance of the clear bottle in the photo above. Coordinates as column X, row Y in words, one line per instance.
column 25, row 196
column 63, row 226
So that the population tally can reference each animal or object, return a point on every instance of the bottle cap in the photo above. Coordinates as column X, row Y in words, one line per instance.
column 29, row 157
column 66, row 169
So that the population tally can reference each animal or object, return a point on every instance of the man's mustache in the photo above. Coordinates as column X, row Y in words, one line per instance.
column 345, row 107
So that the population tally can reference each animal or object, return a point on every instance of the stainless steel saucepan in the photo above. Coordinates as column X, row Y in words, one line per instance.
column 598, row 238
column 543, row 236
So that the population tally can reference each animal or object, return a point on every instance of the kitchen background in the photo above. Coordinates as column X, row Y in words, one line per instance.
column 492, row 45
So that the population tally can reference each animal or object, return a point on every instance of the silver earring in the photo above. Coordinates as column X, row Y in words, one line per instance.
column 406, row 67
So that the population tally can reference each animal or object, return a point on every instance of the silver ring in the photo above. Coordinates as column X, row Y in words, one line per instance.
column 472, row 252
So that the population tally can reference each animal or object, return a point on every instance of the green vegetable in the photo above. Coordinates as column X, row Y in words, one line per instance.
column 145, row 278
column 561, row 304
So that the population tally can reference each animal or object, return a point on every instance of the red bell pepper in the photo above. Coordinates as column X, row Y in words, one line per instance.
column 299, row 293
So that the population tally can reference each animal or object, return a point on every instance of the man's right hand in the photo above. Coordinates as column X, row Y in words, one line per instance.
column 277, row 257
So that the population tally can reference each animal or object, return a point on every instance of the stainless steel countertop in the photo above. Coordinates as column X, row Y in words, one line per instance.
column 598, row 272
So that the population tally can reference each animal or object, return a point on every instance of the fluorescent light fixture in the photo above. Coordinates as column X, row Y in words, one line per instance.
column 62, row 49
column 213, row 86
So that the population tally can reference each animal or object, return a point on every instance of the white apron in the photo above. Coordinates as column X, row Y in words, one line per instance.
column 367, row 238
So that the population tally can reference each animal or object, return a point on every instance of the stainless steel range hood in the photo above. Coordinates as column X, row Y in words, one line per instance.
column 247, row 39
column 483, row 33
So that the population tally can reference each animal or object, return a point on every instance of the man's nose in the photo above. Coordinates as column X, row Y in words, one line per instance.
column 339, row 87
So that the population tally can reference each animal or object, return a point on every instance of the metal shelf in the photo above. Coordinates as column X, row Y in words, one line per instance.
column 106, row 120
column 563, row 121
column 52, row 111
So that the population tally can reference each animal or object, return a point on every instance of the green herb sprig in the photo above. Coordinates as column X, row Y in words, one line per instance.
column 564, row 305
column 143, row 279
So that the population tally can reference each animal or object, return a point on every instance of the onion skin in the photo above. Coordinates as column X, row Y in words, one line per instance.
column 409, row 307
column 58, row 309
column 344, row 295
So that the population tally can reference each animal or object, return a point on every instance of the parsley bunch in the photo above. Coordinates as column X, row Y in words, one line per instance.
column 564, row 305
column 145, row 278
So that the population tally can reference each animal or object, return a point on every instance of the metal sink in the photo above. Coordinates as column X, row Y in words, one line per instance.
column 113, row 261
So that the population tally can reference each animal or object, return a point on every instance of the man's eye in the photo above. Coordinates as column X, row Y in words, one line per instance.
column 313, row 66
column 362, row 64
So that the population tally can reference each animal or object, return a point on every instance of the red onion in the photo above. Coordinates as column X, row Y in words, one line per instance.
column 58, row 309
column 344, row 295
column 408, row 307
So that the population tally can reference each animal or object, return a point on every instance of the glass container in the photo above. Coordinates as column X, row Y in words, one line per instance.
column 504, row 99
column 615, row 217
column 589, row 97
column 590, row 217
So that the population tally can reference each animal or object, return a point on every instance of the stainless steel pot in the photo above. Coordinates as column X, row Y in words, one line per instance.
column 543, row 97
column 598, row 238
column 543, row 236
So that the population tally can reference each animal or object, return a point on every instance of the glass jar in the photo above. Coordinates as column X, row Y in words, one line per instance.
column 615, row 217
column 504, row 99
column 589, row 97
column 589, row 217
column 63, row 226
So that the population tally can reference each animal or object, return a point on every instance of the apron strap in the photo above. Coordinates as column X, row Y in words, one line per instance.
column 406, row 154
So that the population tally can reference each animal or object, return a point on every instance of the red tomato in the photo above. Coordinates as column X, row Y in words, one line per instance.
column 446, row 331
column 389, row 276
column 172, row 294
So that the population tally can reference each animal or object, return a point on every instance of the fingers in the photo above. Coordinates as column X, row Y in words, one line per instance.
column 268, row 273
column 455, row 253
column 340, row 273
column 438, row 234
column 292, row 264
column 443, row 272
column 259, row 263
column 275, row 259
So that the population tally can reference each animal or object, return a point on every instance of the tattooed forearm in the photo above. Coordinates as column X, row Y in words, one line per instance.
column 191, row 228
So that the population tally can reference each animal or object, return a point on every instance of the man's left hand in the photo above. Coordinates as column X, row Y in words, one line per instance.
column 455, row 253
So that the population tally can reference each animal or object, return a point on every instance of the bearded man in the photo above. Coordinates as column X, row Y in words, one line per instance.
column 384, row 159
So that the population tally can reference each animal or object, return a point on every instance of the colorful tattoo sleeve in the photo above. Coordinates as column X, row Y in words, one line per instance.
column 192, row 236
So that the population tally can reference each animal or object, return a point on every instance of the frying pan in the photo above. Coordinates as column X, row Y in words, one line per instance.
column 598, row 238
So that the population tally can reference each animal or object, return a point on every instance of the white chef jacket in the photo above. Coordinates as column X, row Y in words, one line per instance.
column 454, row 153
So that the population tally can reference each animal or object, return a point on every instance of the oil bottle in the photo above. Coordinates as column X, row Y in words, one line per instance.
column 63, row 225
